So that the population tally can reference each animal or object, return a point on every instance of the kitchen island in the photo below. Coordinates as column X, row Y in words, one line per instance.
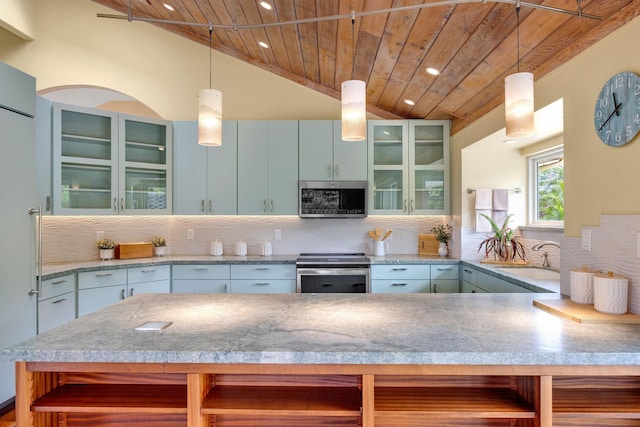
column 306, row 359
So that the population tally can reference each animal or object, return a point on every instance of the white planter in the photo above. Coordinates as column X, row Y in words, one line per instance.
column 159, row 250
column 106, row 254
column 442, row 249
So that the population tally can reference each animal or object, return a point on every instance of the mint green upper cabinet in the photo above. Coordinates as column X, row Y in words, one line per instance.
column 85, row 161
column 205, row 177
column 324, row 156
column 409, row 167
column 109, row 163
column 268, row 167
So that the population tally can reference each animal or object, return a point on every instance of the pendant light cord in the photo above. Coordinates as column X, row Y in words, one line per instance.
column 353, row 44
column 518, row 34
column 210, row 57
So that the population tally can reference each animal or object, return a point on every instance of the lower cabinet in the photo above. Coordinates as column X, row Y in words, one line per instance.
column 263, row 278
column 56, row 302
column 200, row 278
column 488, row 283
column 288, row 395
column 100, row 288
column 413, row 278
column 445, row 278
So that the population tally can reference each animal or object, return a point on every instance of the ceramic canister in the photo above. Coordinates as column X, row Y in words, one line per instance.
column 581, row 282
column 266, row 248
column 240, row 248
column 610, row 293
column 216, row 248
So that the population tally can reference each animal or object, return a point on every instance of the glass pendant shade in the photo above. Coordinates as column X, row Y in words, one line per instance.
column 518, row 105
column 354, row 110
column 210, row 117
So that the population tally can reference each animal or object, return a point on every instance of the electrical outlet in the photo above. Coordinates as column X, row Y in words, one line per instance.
column 190, row 234
column 585, row 241
column 99, row 235
column 277, row 234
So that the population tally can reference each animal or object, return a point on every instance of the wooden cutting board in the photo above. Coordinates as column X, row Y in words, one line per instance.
column 583, row 313
column 427, row 244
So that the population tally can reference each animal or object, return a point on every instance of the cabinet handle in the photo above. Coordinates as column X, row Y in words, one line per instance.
column 444, row 269
column 148, row 271
column 202, row 205
column 210, row 207
column 413, row 206
column 398, row 284
column 435, row 288
column 405, row 205
column 467, row 271
column 121, row 293
column 59, row 301
column 262, row 268
column 271, row 204
column 336, row 170
column 226, row 288
column 201, row 269
column 115, row 204
column 328, row 171
column 121, row 204
column 264, row 205
column 131, row 292
column 399, row 269
column 262, row 284
column 47, row 204
column 59, row 282
column 104, row 275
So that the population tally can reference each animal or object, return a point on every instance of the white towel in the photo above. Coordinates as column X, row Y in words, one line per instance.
column 499, row 217
column 484, row 198
column 482, row 224
column 500, row 200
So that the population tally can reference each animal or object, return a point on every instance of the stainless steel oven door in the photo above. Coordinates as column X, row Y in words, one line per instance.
column 333, row 280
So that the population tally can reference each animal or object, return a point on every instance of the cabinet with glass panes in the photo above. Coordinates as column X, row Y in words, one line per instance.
column 107, row 163
column 409, row 167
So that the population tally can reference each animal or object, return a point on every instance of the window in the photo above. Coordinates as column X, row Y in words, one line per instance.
column 546, row 171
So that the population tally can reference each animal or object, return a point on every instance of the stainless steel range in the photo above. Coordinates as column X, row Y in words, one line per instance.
column 333, row 273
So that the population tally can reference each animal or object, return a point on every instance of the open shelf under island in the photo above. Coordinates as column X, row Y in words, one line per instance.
column 329, row 360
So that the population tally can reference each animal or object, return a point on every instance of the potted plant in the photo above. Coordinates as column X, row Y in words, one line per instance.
column 159, row 243
column 443, row 234
column 504, row 244
column 106, row 245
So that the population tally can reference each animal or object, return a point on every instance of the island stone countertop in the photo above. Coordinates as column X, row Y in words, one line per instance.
column 455, row 329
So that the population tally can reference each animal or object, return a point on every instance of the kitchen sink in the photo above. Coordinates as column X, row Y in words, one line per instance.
column 535, row 273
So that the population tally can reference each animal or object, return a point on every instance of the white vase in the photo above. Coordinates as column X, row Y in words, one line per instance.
column 442, row 249
column 159, row 250
column 106, row 254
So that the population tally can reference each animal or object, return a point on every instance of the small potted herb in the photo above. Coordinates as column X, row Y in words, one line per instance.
column 106, row 245
column 443, row 234
column 159, row 244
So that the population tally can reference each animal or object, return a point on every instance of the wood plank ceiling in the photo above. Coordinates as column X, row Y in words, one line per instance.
column 473, row 44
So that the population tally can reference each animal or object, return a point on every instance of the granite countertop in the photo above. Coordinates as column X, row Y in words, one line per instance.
column 456, row 329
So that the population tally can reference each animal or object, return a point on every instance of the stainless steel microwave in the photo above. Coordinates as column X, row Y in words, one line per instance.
column 332, row 199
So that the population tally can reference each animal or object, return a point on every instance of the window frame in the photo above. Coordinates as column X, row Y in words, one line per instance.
column 533, row 162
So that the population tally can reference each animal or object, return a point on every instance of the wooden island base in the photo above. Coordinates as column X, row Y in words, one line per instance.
column 198, row 395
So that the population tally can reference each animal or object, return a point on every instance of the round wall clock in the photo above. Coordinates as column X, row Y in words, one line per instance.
column 617, row 111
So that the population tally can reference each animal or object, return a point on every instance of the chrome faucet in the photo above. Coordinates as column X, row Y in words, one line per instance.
column 545, row 256
column 543, row 244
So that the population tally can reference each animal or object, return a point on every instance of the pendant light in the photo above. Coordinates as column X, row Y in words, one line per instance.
column 518, row 97
column 210, row 111
column 354, row 100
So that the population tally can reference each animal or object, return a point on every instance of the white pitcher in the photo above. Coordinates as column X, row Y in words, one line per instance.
column 380, row 247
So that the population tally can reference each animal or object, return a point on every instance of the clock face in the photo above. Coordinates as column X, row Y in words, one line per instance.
column 617, row 112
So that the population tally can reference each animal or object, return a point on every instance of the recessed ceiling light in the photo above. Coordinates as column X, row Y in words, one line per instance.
column 409, row 102
column 263, row 44
column 168, row 7
column 266, row 5
column 432, row 71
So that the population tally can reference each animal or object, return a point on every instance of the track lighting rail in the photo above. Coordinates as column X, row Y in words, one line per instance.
column 234, row 26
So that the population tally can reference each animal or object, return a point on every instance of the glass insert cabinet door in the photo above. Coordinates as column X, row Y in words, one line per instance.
column 429, row 156
column 145, row 153
column 388, row 166
column 84, row 150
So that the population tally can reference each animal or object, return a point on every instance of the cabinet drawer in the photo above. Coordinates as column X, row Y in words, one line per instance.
column 182, row 286
column 201, row 271
column 468, row 275
column 263, row 271
column 263, row 286
column 149, row 274
column 99, row 278
column 58, row 286
column 90, row 300
column 445, row 286
column 56, row 311
column 445, row 271
column 406, row 272
column 400, row 286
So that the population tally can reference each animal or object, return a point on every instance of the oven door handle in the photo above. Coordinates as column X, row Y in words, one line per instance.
column 331, row 271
